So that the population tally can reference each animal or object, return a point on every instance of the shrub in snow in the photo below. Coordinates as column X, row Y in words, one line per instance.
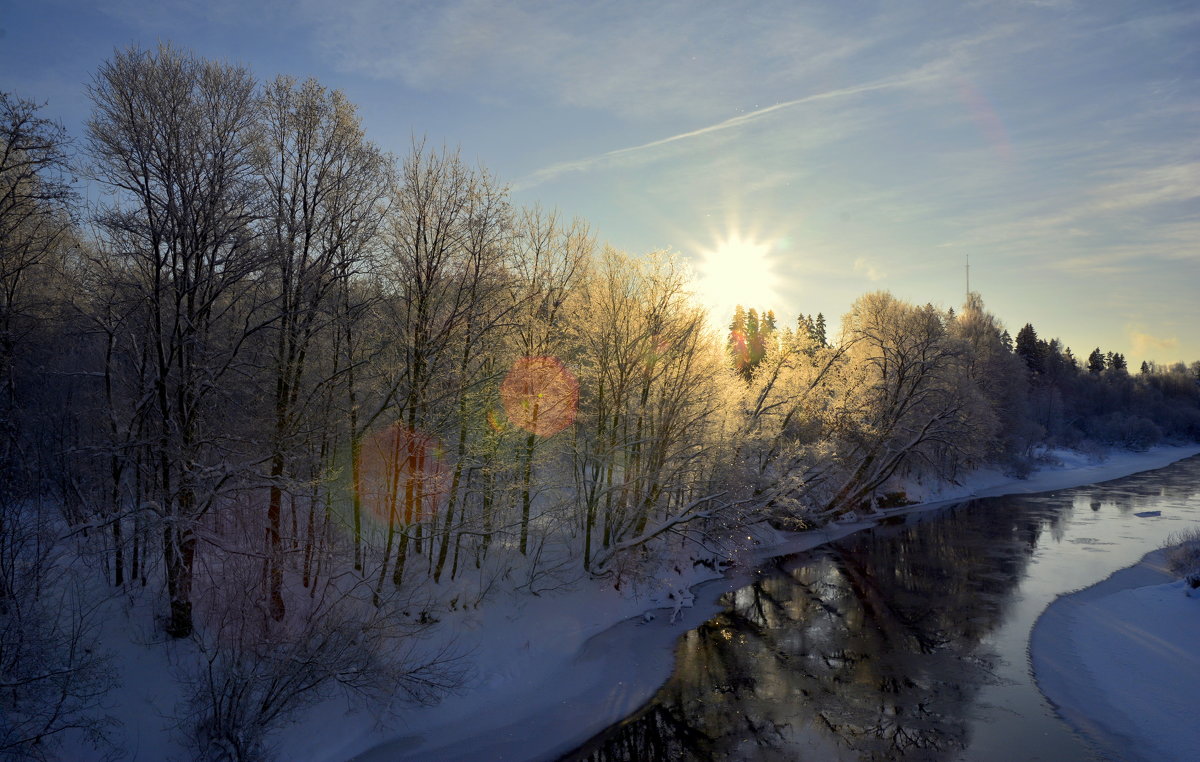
column 53, row 678
column 253, row 673
column 1193, row 580
column 1182, row 551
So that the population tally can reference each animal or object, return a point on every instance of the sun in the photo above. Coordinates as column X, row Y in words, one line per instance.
column 737, row 270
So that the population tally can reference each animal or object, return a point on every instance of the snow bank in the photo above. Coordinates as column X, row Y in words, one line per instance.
column 1065, row 469
column 1121, row 663
column 553, row 671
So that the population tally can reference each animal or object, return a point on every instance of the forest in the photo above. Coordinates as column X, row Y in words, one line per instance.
column 304, row 395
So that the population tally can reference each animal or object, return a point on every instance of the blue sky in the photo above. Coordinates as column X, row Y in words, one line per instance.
column 862, row 145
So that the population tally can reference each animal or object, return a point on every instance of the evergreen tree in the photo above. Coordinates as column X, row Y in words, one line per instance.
column 738, row 345
column 806, row 327
column 1031, row 349
column 1070, row 359
column 1096, row 361
column 1053, row 359
column 819, row 330
column 739, row 319
column 754, row 338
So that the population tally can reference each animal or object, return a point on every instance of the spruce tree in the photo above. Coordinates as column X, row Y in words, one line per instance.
column 1031, row 349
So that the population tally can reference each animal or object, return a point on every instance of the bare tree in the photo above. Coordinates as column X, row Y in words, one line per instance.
column 324, row 185
column 171, row 137
column 652, row 412
column 441, row 252
column 35, row 225
column 550, row 258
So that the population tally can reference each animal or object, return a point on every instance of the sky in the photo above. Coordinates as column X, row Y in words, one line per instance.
column 797, row 154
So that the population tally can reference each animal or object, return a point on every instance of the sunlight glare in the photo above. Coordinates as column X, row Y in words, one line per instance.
column 736, row 271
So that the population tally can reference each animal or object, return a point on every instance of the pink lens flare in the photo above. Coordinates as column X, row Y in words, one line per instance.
column 540, row 395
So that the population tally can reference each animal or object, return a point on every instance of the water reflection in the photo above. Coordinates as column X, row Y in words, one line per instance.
column 879, row 647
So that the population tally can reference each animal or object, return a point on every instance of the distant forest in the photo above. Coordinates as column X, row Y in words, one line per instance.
column 304, row 395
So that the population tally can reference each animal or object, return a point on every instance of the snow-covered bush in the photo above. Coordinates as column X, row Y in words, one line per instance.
column 1193, row 580
column 254, row 673
column 1183, row 553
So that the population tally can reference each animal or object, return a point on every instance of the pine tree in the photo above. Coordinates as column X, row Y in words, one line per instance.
column 1096, row 361
column 819, row 334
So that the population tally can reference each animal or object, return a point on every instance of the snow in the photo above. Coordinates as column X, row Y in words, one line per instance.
column 560, row 669
column 1121, row 662
column 548, row 671
column 1062, row 469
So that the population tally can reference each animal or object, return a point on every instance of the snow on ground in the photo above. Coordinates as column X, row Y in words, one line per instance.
column 1120, row 661
column 554, row 670
column 548, row 672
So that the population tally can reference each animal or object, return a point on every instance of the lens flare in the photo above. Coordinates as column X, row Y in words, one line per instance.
column 402, row 476
column 540, row 395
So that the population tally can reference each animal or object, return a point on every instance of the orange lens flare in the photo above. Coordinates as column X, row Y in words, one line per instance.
column 540, row 395
column 402, row 477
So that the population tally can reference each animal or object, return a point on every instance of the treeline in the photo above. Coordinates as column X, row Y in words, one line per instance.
column 914, row 392
column 310, row 395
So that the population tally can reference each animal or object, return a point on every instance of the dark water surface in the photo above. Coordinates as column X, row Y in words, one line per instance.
column 907, row 641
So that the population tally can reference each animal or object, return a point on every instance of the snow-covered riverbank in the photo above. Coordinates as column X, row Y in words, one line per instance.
column 1119, row 660
column 554, row 670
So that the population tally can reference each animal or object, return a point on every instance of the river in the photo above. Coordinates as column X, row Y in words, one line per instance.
column 906, row 641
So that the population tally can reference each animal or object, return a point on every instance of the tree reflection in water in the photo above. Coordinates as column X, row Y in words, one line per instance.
column 867, row 649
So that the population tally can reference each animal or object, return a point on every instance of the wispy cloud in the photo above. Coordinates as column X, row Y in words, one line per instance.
column 621, row 155
column 641, row 60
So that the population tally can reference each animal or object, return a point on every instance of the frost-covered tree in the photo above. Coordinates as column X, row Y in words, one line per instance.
column 651, row 406
column 910, row 405
column 324, row 185
column 172, row 137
